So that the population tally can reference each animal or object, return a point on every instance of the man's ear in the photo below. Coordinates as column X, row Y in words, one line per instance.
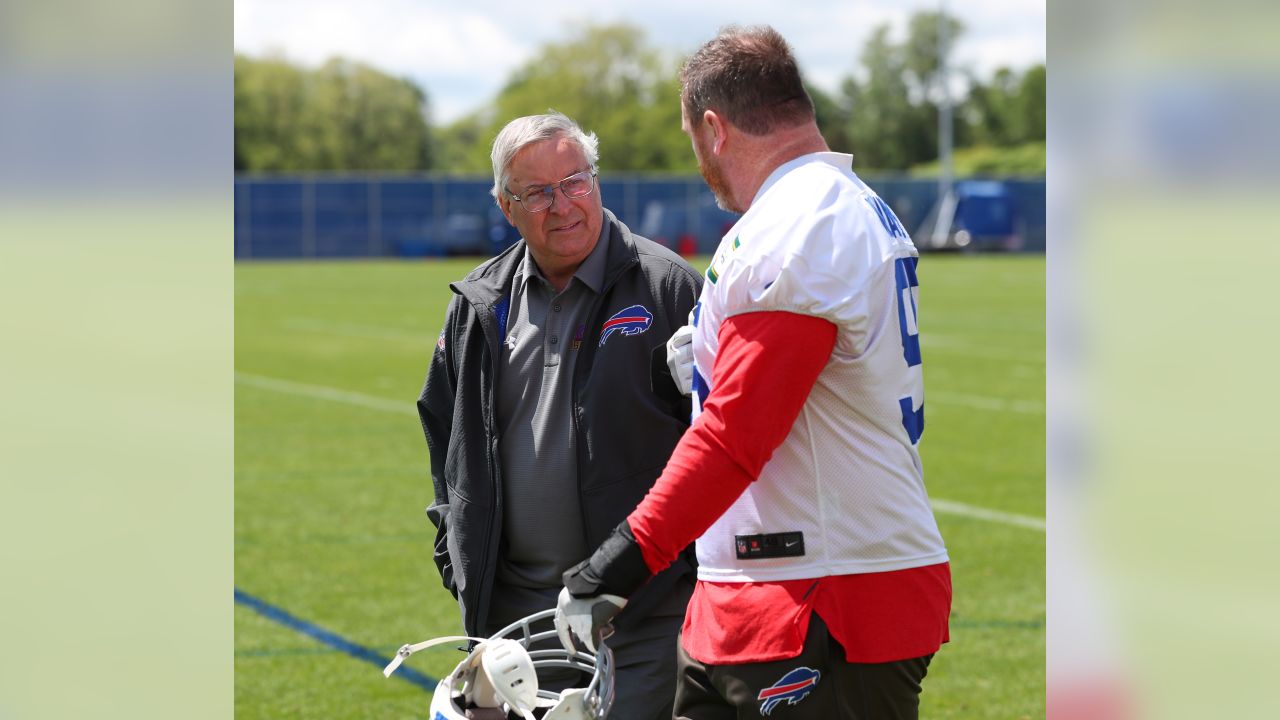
column 719, row 130
column 504, row 204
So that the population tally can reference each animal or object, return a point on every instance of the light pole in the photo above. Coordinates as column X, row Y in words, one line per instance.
column 946, row 205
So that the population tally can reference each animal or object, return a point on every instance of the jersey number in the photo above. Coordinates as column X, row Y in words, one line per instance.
column 908, row 297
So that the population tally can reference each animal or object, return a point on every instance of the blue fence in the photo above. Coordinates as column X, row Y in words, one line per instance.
column 337, row 216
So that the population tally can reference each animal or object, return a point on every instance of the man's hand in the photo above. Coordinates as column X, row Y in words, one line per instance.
column 582, row 623
column 596, row 589
column 680, row 358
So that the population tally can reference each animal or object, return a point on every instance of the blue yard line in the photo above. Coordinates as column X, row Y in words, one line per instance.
column 360, row 652
column 286, row 651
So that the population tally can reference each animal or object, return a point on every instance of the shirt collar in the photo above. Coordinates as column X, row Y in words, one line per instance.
column 838, row 160
column 590, row 272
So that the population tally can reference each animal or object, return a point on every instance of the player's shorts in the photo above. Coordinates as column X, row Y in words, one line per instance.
column 818, row 684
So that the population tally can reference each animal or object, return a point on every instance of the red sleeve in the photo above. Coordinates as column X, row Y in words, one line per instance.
column 765, row 368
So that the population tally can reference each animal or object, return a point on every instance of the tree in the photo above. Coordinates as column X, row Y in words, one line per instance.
column 367, row 120
column 342, row 116
column 1032, row 98
column 608, row 80
column 832, row 118
column 270, row 103
column 922, row 52
column 891, row 125
column 1009, row 110
column 891, row 108
column 463, row 147
column 987, row 115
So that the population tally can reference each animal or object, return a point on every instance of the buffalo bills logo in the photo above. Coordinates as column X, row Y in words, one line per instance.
column 793, row 687
column 629, row 321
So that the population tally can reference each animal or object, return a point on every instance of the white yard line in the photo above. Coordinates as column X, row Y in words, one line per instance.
column 372, row 402
column 321, row 392
column 978, row 513
column 982, row 402
column 357, row 330
column 948, row 344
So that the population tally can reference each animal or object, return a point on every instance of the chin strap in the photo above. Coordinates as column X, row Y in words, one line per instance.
column 406, row 650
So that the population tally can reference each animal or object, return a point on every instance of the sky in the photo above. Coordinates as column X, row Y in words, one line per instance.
column 461, row 53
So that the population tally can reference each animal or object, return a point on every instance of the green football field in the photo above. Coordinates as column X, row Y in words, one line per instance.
column 333, row 566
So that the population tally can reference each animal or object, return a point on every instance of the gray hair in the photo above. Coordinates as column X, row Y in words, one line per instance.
column 530, row 129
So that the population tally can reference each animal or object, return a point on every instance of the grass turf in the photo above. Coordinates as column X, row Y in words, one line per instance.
column 332, row 479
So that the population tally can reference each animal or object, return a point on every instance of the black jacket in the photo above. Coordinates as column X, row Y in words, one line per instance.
column 627, row 413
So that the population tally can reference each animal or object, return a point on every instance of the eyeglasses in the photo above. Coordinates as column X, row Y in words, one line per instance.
column 537, row 199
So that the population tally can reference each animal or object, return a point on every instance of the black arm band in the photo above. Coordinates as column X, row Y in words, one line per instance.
column 617, row 567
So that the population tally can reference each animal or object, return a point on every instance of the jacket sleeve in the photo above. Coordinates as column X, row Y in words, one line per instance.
column 680, row 291
column 435, row 410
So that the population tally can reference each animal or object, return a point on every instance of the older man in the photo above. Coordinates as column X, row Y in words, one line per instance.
column 823, row 583
column 548, row 407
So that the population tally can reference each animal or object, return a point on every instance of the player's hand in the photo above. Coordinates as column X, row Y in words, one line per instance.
column 582, row 623
column 596, row 589
column 680, row 358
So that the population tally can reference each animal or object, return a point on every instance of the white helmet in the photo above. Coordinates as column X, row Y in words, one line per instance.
column 501, row 674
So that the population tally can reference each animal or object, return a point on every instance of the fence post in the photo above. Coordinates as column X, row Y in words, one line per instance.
column 629, row 204
column 375, row 218
column 309, row 217
column 247, row 225
column 439, row 208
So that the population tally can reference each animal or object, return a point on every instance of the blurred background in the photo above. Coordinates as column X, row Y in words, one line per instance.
column 362, row 176
column 365, row 130
column 361, row 152
column 118, row 212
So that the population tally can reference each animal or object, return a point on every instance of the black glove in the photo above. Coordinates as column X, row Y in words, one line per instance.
column 596, row 590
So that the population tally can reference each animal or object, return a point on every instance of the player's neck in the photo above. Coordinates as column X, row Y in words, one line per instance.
column 765, row 153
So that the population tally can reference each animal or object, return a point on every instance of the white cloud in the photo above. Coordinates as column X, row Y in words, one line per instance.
column 461, row 54
column 987, row 56
column 403, row 37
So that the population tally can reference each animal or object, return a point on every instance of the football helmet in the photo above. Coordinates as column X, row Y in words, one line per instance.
column 500, row 675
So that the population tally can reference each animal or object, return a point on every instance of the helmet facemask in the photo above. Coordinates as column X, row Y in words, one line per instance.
column 501, row 674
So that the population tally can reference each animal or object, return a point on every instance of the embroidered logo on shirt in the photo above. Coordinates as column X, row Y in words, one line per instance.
column 577, row 337
column 629, row 321
column 511, row 342
column 793, row 687
column 440, row 341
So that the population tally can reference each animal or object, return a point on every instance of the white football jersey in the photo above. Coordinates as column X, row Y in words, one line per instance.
column 846, row 487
